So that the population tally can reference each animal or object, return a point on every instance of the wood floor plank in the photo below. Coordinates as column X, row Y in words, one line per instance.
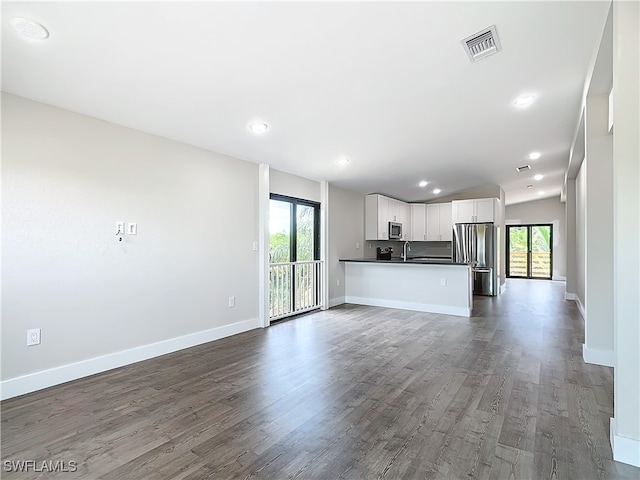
column 354, row 392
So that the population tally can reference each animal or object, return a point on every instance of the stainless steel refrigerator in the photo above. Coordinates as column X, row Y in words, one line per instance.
column 476, row 244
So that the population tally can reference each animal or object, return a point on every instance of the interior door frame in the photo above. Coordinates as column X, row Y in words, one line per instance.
column 529, row 252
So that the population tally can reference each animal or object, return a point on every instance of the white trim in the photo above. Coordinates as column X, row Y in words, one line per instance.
column 625, row 449
column 503, row 288
column 324, row 244
column 606, row 358
column 570, row 296
column 334, row 302
column 73, row 371
column 583, row 312
column 263, row 243
column 415, row 306
column 559, row 278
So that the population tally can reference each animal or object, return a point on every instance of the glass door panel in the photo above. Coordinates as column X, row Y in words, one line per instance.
column 518, row 251
column 540, row 251
column 280, row 240
column 304, row 233
column 529, row 251
column 294, row 253
column 279, row 231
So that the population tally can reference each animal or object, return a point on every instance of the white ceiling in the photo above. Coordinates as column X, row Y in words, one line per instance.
column 387, row 84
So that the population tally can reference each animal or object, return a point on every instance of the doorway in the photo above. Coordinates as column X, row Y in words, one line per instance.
column 294, row 256
column 530, row 251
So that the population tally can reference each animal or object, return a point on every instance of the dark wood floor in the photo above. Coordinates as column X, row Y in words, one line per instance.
column 353, row 392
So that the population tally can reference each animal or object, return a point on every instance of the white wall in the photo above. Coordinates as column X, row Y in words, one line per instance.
column 570, row 239
column 625, row 426
column 485, row 191
column 598, row 346
column 581, row 232
column 66, row 180
column 346, row 237
column 548, row 210
column 293, row 186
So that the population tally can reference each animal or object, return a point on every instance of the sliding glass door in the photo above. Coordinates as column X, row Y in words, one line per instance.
column 294, row 255
column 530, row 251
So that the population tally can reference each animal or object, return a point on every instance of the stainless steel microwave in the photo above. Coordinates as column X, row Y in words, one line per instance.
column 395, row 231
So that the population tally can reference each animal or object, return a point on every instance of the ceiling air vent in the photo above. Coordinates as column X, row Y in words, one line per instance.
column 523, row 168
column 482, row 44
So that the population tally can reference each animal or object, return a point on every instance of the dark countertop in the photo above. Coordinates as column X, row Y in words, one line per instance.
column 410, row 261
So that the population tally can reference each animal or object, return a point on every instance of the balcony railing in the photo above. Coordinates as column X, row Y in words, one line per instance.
column 294, row 287
column 540, row 264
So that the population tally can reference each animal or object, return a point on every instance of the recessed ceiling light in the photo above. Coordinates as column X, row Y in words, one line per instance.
column 436, row 191
column 541, row 192
column 423, row 183
column 258, row 127
column 524, row 101
column 534, row 155
column 29, row 29
column 529, row 186
column 343, row 161
column 538, row 177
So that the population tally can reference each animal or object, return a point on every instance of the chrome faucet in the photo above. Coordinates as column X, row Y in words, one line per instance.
column 406, row 248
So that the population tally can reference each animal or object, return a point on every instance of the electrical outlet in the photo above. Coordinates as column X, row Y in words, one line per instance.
column 338, row 282
column 357, row 245
column 132, row 229
column 33, row 336
column 255, row 246
column 443, row 282
column 232, row 301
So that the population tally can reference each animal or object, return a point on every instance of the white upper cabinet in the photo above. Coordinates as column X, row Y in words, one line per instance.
column 379, row 211
column 446, row 222
column 438, row 222
column 463, row 211
column 478, row 210
column 418, row 224
column 486, row 209
column 405, row 220
column 394, row 210
column 376, row 220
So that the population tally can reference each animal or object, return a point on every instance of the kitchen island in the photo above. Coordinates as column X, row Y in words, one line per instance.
column 424, row 285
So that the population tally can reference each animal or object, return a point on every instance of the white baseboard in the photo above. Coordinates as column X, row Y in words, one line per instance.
column 503, row 288
column 32, row 382
column 415, row 306
column 583, row 312
column 606, row 358
column 559, row 278
column 625, row 450
column 570, row 296
column 334, row 302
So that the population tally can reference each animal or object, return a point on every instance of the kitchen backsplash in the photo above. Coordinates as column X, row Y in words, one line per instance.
column 418, row 249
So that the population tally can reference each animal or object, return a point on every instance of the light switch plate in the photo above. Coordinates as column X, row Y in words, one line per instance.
column 132, row 229
column 119, row 228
